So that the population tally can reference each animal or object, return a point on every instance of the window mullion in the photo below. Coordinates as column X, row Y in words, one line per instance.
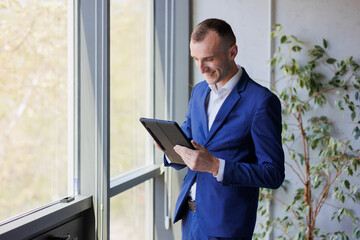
column 133, row 178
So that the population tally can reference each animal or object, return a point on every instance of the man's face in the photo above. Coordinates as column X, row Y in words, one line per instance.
column 212, row 59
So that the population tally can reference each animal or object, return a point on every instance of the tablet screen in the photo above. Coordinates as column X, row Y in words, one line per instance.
column 167, row 134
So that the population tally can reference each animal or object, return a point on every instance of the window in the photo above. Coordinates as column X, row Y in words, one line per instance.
column 90, row 99
column 34, row 105
column 130, row 83
column 131, row 97
column 130, row 213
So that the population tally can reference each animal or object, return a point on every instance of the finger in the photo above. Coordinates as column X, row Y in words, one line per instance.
column 180, row 149
column 184, row 152
column 196, row 145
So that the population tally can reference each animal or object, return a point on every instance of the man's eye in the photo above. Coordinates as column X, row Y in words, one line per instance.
column 209, row 59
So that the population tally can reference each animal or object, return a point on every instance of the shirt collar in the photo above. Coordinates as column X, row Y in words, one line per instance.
column 229, row 85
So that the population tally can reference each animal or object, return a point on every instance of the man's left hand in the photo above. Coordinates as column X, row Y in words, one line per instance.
column 198, row 160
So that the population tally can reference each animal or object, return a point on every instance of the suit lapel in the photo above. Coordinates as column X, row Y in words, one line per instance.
column 228, row 105
column 204, row 121
column 224, row 111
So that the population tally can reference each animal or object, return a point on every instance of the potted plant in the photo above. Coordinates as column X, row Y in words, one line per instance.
column 321, row 151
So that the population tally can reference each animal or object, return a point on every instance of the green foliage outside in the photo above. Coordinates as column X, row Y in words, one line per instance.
column 322, row 146
column 33, row 104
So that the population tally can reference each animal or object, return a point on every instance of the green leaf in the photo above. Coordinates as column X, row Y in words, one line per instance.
column 331, row 60
column 277, row 28
column 347, row 184
column 263, row 212
column 288, row 208
column 320, row 49
column 317, row 184
column 285, row 126
column 325, row 44
column 314, row 143
column 349, row 213
column 273, row 34
column 353, row 115
column 341, row 106
column 296, row 40
column 357, row 132
column 296, row 48
column 301, row 158
column 272, row 62
column 333, row 216
column 340, row 214
column 300, row 235
column 283, row 39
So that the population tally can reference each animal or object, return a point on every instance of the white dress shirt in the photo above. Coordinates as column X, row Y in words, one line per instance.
column 214, row 101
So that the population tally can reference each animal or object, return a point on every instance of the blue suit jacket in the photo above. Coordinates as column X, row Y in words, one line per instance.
column 246, row 133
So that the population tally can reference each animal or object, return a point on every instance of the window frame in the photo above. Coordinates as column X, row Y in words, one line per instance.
column 95, row 155
column 91, row 120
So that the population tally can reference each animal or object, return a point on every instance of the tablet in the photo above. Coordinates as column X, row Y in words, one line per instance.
column 167, row 134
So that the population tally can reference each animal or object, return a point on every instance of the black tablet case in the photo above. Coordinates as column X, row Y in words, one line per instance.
column 167, row 134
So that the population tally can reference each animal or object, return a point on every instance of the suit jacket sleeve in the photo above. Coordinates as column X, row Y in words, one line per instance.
column 268, row 169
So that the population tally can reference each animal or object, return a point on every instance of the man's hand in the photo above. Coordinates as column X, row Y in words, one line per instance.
column 157, row 145
column 198, row 160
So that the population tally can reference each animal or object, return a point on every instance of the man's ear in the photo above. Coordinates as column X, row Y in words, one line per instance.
column 233, row 51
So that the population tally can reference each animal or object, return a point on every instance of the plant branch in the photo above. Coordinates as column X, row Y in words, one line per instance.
column 328, row 121
column 297, row 164
column 317, row 94
column 326, row 190
column 300, row 178
column 307, row 190
column 284, row 231
column 280, row 201
column 324, row 195
column 333, row 69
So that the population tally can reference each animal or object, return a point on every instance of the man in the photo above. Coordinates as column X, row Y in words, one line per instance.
column 235, row 126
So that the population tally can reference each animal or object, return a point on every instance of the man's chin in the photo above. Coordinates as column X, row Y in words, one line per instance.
column 210, row 80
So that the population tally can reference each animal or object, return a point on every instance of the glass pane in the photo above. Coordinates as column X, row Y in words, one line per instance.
column 130, row 214
column 130, row 94
column 33, row 104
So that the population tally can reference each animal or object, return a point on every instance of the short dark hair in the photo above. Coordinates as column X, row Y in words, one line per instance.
column 222, row 28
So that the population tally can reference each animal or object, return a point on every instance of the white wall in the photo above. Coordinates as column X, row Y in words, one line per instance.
column 311, row 20
column 249, row 20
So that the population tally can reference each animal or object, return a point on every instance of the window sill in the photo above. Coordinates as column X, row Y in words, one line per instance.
column 36, row 223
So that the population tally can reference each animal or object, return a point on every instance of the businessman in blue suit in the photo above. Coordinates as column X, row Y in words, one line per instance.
column 235, row 126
